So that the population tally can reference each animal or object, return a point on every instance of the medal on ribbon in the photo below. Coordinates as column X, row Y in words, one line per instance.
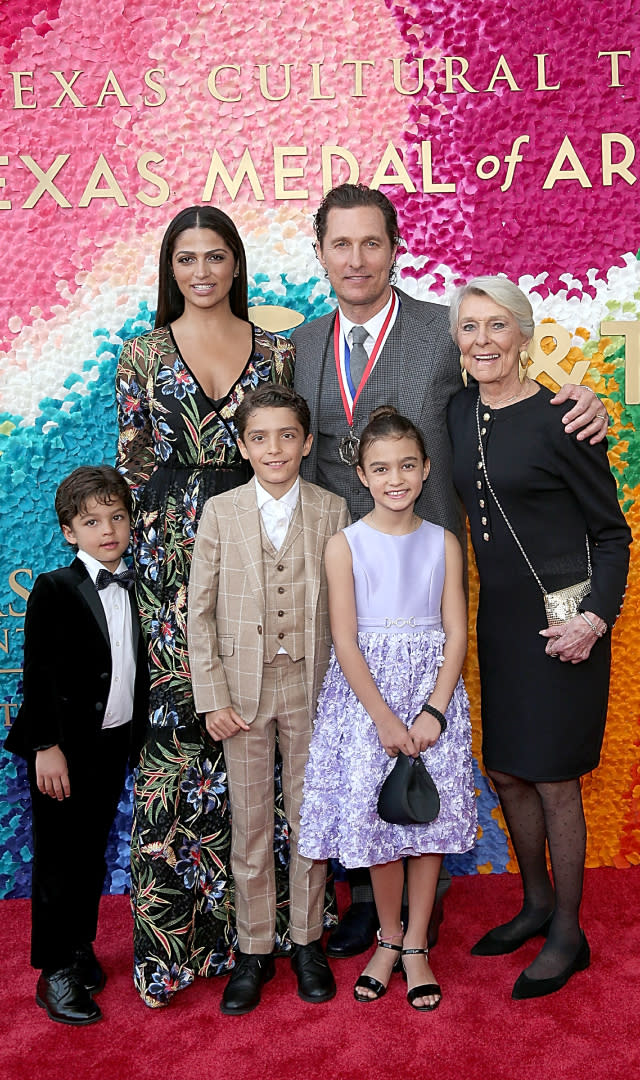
column 349, row 444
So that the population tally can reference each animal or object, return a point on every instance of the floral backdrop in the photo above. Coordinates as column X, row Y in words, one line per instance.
column 503, row 132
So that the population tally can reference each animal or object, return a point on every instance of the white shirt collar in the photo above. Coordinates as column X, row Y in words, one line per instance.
column 373, row 325
column 94, row 566
column 289, row 500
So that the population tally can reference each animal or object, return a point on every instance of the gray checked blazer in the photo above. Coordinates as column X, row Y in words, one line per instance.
column 428, row 370
column 227, row 598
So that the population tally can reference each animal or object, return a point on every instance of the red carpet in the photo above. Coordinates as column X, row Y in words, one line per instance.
column 589, row 1029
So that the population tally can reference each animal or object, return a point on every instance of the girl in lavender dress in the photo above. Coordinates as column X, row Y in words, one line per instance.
column 399, row 624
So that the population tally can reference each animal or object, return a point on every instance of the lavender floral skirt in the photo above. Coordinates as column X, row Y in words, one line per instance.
column 347, row 764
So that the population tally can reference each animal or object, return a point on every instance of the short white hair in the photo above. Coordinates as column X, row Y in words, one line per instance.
column 502, row 292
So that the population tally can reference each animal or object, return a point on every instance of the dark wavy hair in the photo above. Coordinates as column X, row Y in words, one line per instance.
column 349, row 196
column 170, row 300
column 272, row 396
column 100, row 482
column 387, row 423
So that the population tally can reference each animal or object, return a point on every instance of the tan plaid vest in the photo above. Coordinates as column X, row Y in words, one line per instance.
column 284, row 581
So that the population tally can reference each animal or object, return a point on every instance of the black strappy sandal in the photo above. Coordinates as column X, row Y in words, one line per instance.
column 425, row 990
column 367, row 982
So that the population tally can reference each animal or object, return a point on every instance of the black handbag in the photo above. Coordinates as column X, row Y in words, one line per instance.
column 408, row 795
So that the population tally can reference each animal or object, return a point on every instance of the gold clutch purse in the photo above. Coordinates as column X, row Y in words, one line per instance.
column 563, row 604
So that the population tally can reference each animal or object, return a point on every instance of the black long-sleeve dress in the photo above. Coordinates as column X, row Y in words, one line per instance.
column 542, row 719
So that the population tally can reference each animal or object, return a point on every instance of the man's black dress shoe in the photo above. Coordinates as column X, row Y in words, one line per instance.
column 355, row 933
column 494, row 944
column 315, row 978
column 242, row 992
column 65, row 999
column 87, row 970
column 526, row 987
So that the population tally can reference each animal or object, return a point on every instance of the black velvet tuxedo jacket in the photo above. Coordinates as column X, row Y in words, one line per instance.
column 67, row 668
column 427, row 375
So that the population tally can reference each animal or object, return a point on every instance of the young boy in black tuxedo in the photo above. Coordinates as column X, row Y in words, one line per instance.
column 82, row 717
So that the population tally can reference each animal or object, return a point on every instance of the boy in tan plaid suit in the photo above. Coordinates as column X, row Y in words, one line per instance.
column 259, row 645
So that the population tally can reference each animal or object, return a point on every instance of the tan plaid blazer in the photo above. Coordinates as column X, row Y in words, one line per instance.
column 226, row 620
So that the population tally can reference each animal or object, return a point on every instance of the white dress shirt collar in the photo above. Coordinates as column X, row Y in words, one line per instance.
column 288, row 500
column 94, row 566
column 373, row 325
column 276, row 514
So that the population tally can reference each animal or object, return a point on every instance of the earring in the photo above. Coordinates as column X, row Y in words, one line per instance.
column 524, row 364
column 236, row 273
column 463, row 370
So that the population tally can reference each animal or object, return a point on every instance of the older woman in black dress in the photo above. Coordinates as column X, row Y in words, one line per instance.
column 544, row 515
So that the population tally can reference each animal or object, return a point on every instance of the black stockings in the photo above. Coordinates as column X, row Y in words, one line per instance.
column 538, row 814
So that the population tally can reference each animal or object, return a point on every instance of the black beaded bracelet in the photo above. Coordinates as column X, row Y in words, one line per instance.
column 440, row 717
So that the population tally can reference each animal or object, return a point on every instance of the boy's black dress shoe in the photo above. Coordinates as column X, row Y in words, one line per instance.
column 242, row 992
column 355, row 933
column 526, row 987
column 87, row 970
column 315, row 978
column 65, row 999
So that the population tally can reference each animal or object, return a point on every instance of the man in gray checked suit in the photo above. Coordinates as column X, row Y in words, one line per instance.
column 409, row 361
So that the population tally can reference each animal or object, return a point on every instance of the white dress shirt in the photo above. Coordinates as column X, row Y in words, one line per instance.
column 276, row 514
column 117, row 609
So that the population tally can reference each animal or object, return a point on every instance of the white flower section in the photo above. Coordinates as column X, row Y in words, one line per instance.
column 47, row 351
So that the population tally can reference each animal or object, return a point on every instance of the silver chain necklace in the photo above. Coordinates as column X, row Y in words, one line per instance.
column 506, row 519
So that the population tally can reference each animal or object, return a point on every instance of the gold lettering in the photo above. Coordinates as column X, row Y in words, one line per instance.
column 19, row 589
column 246, row 168
column 397, row 76
column 610, row 167
column 316, row 94
column 358, row 66
column 428, row 184
column 7, row 706
column 19, row 90
column 67, row 91
column 212, row 84
column 282, row 172
column 115, row 91
column 450, row 75
column 45, row 181
column 512, row 159
column 615, row 69
column 630, row 331
column 391, row 156
column 112, row 190
column 502, row 71
column 264, row 85
column 157, row 87
column 328, row 153
column 5, row 204
column 549, row 362
column 576, row 172
column 4, row 646
column 541, row 59
column 164, row 191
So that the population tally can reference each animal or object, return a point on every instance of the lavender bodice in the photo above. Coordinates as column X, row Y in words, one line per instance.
column 398, row 579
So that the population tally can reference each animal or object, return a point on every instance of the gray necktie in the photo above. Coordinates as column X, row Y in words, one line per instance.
column 358, row 359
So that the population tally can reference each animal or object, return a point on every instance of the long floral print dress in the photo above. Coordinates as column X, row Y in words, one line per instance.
column 177, row 448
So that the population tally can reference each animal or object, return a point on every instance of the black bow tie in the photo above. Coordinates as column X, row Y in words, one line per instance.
column 125, row 580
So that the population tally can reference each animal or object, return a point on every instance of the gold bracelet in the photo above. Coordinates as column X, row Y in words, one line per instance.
column 598, row 633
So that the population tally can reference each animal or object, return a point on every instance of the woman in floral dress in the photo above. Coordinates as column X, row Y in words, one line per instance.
column 177, row 388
